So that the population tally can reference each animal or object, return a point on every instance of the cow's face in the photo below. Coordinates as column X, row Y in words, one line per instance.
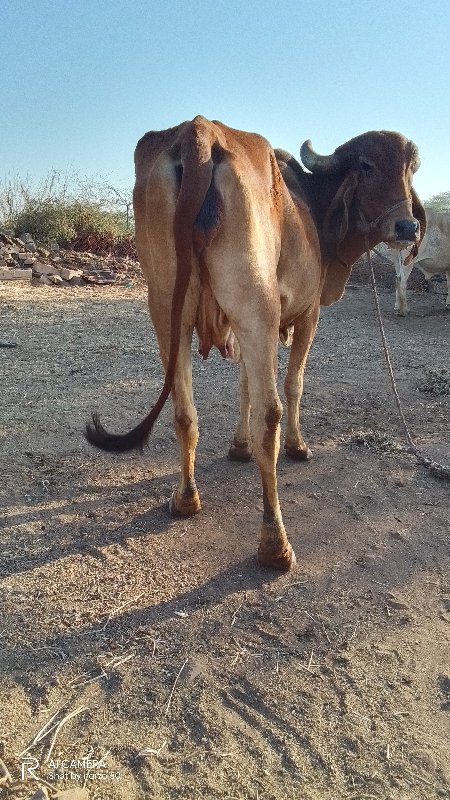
column 386, row 163
column 375, row 192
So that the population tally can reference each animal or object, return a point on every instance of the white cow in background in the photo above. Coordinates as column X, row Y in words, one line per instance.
column 433, row 258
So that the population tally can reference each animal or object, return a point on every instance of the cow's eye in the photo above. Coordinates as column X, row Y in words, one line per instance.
column 366, row 166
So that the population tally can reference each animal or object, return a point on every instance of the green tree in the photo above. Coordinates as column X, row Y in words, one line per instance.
column 439, row 202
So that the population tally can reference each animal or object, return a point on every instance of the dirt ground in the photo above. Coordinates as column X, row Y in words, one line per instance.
column 190, row 672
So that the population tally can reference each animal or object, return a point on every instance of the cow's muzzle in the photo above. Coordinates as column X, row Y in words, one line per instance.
column 403, row 230
column 407, row 230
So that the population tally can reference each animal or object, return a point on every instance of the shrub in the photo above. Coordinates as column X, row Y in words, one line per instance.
column 64, row 222
column 437, row 383
column 63, row 208
column 46, row 222
column 105, row 244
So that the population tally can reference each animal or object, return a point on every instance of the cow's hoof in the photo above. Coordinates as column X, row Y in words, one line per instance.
column 240, row 452
column 270, row 559
column 299, row 453
column 184, row 506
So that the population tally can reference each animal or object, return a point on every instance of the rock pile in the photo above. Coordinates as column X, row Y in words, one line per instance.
column 22, row 259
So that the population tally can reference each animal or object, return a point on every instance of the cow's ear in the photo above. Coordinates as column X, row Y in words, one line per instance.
column 335, row 224
column 421, row 217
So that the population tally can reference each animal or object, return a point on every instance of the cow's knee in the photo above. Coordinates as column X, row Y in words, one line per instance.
column 186, row 426
column 274, row 412
column 269, row 441
column 183, row 419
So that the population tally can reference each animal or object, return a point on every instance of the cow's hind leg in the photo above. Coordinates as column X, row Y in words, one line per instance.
column 241, row 448
column 274, row 549
column 185, row 500
column 304, row 330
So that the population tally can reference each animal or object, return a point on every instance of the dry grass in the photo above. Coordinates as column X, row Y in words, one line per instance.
column 437, row 383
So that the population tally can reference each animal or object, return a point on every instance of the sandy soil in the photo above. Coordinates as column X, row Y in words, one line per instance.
column 195, row 674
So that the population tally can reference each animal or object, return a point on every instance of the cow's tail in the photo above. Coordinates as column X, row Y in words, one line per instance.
column 197, row 165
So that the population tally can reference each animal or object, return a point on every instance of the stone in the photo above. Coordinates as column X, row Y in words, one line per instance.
column 56, row 279
column 67, row 274
column 41, row 794
column 16, row 274
column 45, row 281
column 99, row 275
column 44, row 269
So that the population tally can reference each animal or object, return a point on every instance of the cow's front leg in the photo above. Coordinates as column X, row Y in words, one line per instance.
column 304, row 330
column 447, row 301
column 185, row 500
column 241, row 448
column 274, row 549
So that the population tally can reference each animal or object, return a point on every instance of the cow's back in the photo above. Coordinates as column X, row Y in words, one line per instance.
column 434, row 254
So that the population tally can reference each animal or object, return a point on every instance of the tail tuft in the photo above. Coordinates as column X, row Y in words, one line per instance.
column 96, row 435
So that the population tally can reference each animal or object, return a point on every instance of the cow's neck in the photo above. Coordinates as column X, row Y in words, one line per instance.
column 355, row 244
column 319, row 192
column 338, row 265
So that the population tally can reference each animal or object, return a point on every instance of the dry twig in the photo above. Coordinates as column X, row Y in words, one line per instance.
column 58, row 728
column 150, row 751
column 174, row 685
column 42, row 733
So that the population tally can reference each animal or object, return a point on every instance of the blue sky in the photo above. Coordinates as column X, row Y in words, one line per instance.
column 81, row 81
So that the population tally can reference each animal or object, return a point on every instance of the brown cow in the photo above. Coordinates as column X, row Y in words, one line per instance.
column 233, row 237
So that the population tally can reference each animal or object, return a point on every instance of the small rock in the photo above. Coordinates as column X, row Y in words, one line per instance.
column 395, row 602
column 16, row 274
column 45, row 281
column 44, row 269
column 56, row 279
column 41, row 794
column 68, row 274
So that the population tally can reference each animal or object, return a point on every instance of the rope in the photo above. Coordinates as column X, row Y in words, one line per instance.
column 439, row 470
column 367, row 226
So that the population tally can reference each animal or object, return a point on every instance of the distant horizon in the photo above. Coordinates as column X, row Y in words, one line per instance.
column 90, row 83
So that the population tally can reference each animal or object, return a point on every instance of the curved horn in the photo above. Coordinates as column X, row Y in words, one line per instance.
column 322, row 165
